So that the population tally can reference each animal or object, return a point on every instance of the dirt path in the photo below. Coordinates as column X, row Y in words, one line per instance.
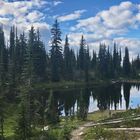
column 135, row 129
column 77, row 133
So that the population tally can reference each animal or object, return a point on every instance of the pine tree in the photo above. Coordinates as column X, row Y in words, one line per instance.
column 12, row 63
column 72, row 64
column 115, row 55
column 39, row 59
column 68, row 61
column 3, row 74
column 17, row 59
column 28, row 78
column 82, row 53
column 23, row 130
column 3, row 59
column 102, row 63
column 28, row 74
column 94, row 60
column 56, row 53
column 22, row 52
column 87, row 64
column 126, row 63
column 109, row 60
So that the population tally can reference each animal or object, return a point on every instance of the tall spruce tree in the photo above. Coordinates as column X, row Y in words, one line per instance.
column 28, row 77
column 39, row 59
column 87, row 64
column 3, row 59
column 12, row 77
column 126, row 63
column 82, row 53
column 28, row 74
column 94, row 60
column 24, row 120
column 3, row 74
column 102, row 63
column 17, row 59
column 11, row 63
column 56, row 53
column 68, row 70
column 22, row 52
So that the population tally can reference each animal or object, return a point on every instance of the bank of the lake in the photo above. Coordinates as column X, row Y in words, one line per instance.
column 79, row 84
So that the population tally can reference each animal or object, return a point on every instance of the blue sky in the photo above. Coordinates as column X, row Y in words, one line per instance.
column 101, row 21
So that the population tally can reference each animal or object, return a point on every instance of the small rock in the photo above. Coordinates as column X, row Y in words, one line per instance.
column 81, row 133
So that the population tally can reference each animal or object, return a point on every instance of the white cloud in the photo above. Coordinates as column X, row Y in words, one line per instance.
column 57, row 3
column 23, row 14
column 34, row 16
column 73, row 16
column 117, row 20
column 106, row 25
column 4, row 21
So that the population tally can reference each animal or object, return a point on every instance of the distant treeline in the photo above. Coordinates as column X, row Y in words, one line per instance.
column 25, row 60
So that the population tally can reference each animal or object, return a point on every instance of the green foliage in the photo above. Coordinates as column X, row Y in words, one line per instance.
column 58, row 134
column 23, row 130
column 98, row 133
column 126, row 63
column 69, row 61
column 56, row 53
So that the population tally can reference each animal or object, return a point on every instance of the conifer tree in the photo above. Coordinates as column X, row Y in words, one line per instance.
column 28, row 74
column 82, row 53
column 68, row 61
column 126, row 63
column 102, row 65
column 17, row 59
column 56, row 53
column 39, row 59
column 87, row 64
column 3, row 59
column 22, row 52
column 93, row 60
column 23, row 130
column 11, row 63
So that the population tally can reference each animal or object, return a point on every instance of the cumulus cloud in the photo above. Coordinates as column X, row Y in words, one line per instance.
column 34, row 16
column 73, row 16
column 115, row 20
column 57, row 3
column 106, row 25
column 23, row 14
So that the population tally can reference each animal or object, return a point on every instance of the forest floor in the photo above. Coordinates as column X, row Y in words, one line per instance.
column 121, row 125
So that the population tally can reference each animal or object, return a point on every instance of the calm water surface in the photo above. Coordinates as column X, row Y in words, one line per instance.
column 88, row 99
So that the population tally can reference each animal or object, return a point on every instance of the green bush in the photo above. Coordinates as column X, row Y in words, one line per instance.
column 97, row 133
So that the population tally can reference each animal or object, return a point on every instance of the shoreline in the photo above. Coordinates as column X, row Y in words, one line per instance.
column 81, row 84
